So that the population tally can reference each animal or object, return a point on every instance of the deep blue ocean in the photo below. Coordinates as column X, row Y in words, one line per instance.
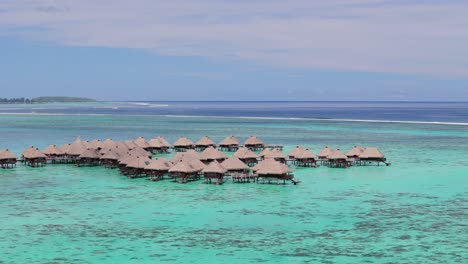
column 456, row 112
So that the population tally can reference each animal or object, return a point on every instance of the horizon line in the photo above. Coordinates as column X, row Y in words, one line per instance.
column 286, row 101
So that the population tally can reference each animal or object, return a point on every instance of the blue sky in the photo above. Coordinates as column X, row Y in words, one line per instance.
column 235, row 50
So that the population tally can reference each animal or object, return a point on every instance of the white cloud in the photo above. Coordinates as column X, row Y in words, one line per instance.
column 422, row 37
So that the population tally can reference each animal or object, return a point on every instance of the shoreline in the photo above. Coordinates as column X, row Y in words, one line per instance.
column 254, row 118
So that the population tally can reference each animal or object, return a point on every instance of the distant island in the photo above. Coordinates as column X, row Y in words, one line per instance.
column 46, row 99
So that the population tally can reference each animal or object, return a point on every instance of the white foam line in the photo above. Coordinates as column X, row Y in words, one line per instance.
column 331, row 120
column 147, row 104
column 256, row 118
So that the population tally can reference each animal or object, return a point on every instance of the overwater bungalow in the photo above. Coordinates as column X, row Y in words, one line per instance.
column 156, row 169
column 214, row 171
column 254, row 143
column 183, row 144
column 136, row 167
column 275, row 154
column 34, row 157
column 324, row 153
column 54, row 154
column 64, row 149
column 7, row 159
column 109, row 158
column 89, row 157
column 238, row 170
column 270, row 169
column 185, row 171
column 295, row 152
column 372, row 155
column 76, row 149
column 124, row 160
column 247, row 156
column 204, row 143
column 354, row 153
column 210, row 154
column 141, row 142
column 159, row 145
column 337, row 159
column 306, row 159
column 230, row 143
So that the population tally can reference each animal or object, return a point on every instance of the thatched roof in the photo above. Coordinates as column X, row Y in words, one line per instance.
column 296, row 151
column 355, row 152
column 260, row 164
column 33, row 153
column 184, row 167
column 211, row 153
column 95, row 144
column 183, row 142
column 372, row 153
column 177, row 157
column 130, row 144
column 140, row 152
column 154, row 143
column 275, row 154
column 160, row 164
column 197, row 164
column 121, row 150
column 90, row 154
column 230, row 141
column 139, row 163
column 214, row 167
column 110, row 155
column 6, row 154
column 325, row 152
column 26, row 151
column 53, row 150
column 64, row 148
column 306, row 154
column 337, row 155
column 159, row 142
column 265, row 152
column 205, row 141
column 188, row 155
column 108, row 144
column 271, row 167
column 245, row 153
column 124, row 160
column 141, row 142
column 253, row 140
column 76, row 148
column 164, row 142
column 86, row 143
column 105, row 151
column 233, row 163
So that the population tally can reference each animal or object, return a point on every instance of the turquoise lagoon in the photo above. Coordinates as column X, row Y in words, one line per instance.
column 415, row 211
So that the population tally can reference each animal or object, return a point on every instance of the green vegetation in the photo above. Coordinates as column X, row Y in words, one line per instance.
column 15, row 101
column 61, row 99
column 45, row 99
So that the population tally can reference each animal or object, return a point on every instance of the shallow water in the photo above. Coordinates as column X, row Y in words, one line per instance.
column 414, row 211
